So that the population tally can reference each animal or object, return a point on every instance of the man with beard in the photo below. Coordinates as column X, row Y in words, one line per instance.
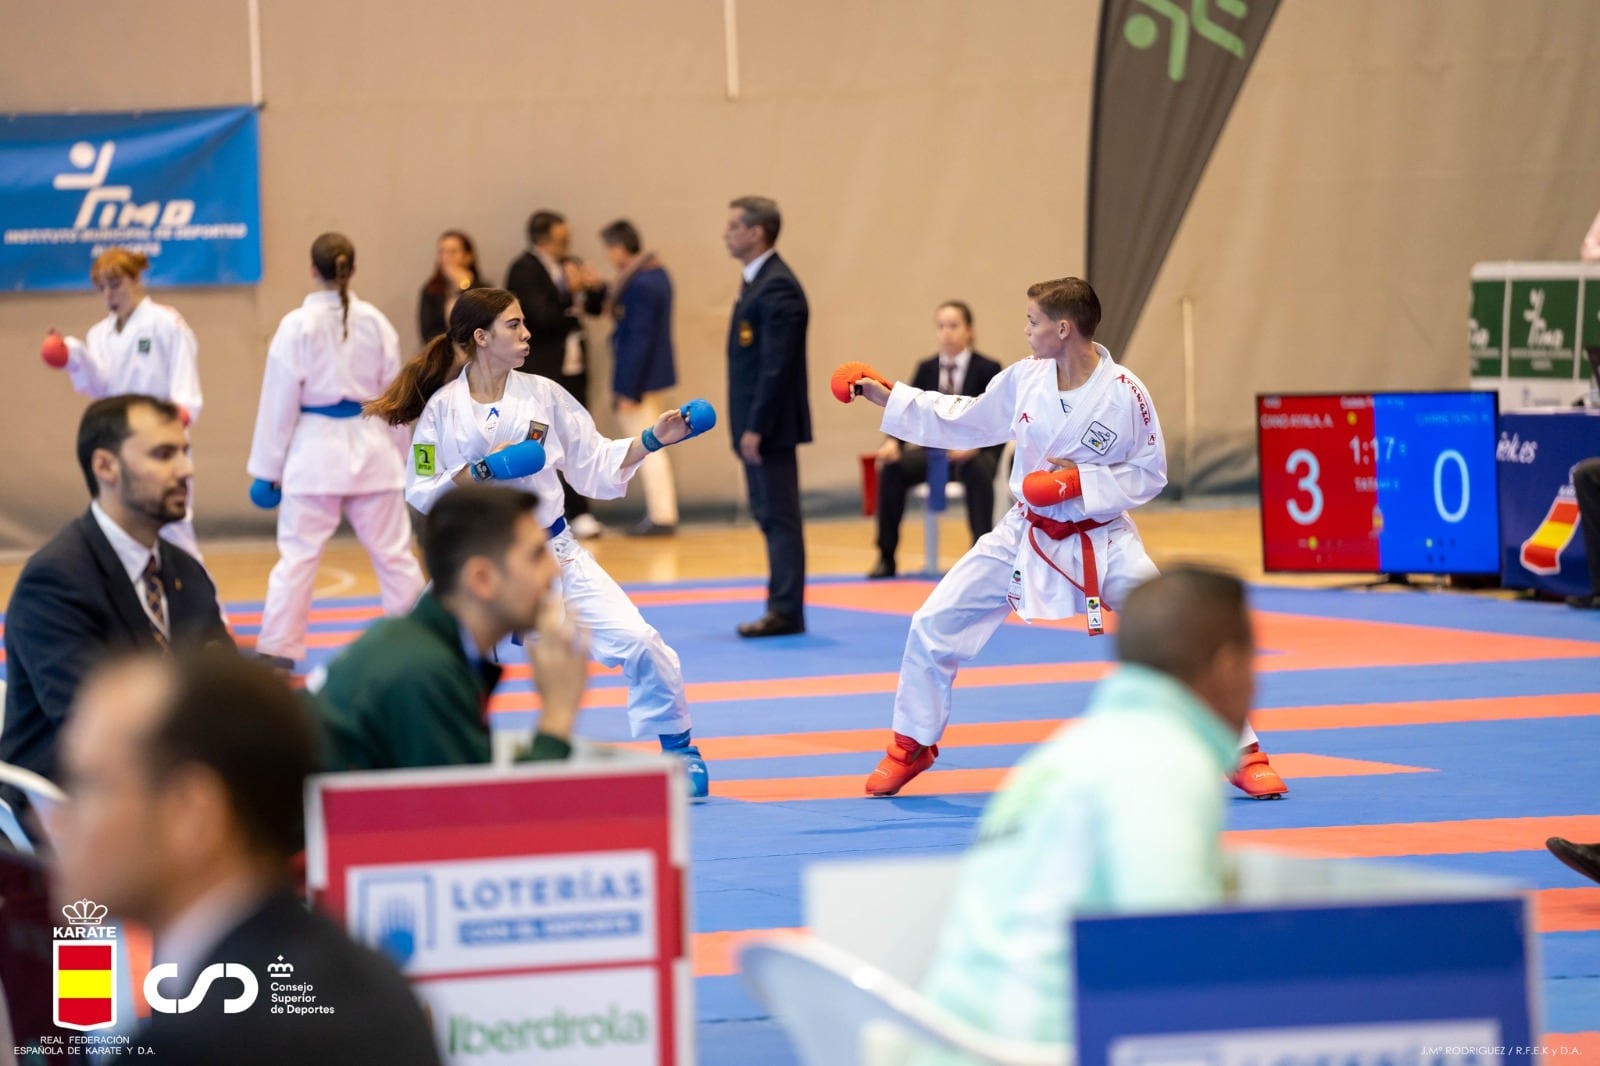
column 107, row 580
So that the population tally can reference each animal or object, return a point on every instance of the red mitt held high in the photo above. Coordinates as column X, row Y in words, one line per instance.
column 1045, row 488
column 845, row 378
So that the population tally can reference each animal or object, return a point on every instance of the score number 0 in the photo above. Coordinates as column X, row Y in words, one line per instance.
column 1303, row 463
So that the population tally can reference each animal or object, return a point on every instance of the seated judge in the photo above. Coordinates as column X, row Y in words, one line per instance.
column 958, row 370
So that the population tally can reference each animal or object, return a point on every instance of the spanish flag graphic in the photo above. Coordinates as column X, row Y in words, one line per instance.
column 85, row 984
column 1541, row 553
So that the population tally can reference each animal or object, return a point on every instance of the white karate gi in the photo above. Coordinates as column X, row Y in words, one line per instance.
column 1112, row 433
column 328, row 466
column 454, row 432
column 154, row 354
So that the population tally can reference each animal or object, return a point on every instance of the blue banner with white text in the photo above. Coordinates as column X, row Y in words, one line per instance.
column 183, row 187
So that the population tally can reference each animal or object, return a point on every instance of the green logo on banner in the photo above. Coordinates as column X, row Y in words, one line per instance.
column 1542, row 328
column 1142, row 31
column 1486, row 327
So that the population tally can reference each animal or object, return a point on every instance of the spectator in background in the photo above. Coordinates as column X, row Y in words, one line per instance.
column 1071, row 829
column 640, row 304
column 185, row 819
column 108, row 580
column 551, row 284
column 957, row 370
column 414, row 691
column 455, row 270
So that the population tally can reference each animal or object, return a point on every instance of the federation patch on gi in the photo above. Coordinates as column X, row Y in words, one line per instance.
column 144, row 345
column 747, row 335
column 537, row 430
column 422, row 459
column 1099, row 438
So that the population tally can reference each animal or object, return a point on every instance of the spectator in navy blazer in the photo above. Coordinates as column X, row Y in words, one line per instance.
column 640, row 305
column 106, row 580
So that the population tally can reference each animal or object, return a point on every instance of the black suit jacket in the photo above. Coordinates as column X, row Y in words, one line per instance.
column 375, row 1017
column 549, row 315
column 980, row 371
column 767, row 359
column 73, row 601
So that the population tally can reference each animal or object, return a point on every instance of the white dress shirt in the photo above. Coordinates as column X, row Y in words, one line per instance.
column 134, row 557
column 752, row 268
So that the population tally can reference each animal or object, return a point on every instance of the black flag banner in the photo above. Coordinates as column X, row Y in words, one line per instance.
column 1166, row 76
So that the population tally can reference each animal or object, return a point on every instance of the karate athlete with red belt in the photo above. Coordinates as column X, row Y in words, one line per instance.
column 1088, row 449
column 491, row 422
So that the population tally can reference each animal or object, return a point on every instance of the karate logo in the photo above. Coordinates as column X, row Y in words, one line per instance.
column 747, row 335
column 422, row 459
column 144, row 345
column 537, row 430
column 1099, row 438
column 84, row 969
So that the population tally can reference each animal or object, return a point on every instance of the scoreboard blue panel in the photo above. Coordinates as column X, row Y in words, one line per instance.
column 1436, row 482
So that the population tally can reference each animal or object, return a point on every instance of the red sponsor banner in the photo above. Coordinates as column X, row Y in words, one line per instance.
column 535, row 909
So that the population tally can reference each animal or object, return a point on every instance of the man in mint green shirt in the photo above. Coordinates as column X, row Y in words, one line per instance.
column 1072, row 830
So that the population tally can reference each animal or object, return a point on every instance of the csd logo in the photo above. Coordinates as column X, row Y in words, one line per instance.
column 218, row 971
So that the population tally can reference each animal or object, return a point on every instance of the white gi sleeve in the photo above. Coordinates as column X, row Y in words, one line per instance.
column 591, row 462
column 279, row 410
column 87, row 367
column 427, row 475
column 1140, row 473
column 936, row 420
column 183, row 364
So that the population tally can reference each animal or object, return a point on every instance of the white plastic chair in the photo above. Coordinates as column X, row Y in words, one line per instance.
column 835, row 1008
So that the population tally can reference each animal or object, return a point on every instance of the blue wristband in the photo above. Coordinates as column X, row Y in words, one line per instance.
column 651, row 444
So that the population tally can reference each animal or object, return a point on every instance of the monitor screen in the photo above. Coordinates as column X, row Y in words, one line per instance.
column 1382, row 483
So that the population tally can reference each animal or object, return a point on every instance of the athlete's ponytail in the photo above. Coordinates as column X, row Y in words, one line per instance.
column 428, row 372
column 335, row 258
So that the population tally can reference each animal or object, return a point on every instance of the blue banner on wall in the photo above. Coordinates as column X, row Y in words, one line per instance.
column 183, row 187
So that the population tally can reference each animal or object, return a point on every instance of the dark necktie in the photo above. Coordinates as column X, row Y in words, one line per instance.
column 152, row 601
column 947, row 377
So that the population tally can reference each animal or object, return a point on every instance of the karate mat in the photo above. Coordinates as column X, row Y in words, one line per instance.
column 1455, row 730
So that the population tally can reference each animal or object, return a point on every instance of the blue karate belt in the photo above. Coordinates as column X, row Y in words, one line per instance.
column 342, row 409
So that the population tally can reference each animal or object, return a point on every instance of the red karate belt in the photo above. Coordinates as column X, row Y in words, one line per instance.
column 1061, row 531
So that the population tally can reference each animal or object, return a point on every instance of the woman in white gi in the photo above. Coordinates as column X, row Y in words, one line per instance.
column 488, row 407
column 317, row 457
column 140, row 346
column 1089, row 448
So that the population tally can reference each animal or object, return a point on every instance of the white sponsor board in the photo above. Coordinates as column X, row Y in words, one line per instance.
column 507, row 914
column 597, row 1018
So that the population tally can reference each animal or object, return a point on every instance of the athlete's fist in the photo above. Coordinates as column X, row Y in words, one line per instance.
column 54, row 350
column 699, row 416
column 849, row 374
column 1046, row 488
column 522, row 459
column 264, row 494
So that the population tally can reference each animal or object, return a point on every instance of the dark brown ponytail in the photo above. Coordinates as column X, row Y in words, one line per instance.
column 430, row 371
column 335, row 258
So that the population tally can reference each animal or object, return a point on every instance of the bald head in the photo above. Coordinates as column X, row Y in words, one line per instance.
column 1193, row 624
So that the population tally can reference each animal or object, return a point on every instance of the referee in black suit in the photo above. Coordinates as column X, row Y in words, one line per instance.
column 959, row 371
column 768, row 412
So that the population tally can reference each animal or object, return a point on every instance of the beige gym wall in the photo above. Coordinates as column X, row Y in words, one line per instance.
column 921, row 149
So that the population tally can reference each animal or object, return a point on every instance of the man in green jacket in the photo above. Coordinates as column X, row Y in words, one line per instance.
column 414, row 690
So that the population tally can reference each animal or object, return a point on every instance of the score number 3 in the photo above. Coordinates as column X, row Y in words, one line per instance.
column 1300, row 460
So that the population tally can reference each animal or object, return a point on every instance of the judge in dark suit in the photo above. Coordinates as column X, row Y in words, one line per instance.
column 769, row 414
column 551, row 285
column 106, row 580
column 958, row 370
column 185, row 774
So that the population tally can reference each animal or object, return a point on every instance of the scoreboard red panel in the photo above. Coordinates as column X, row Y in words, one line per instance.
column 1319, row 500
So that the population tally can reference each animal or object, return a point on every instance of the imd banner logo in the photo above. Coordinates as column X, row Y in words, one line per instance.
column 84, row 967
